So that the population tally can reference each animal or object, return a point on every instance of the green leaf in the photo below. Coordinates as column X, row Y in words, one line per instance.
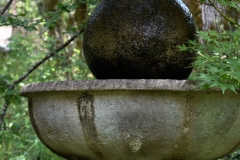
column 15, row 128
column 2, row 87
column 232, row 88
column 55, row 17
column 16, row 100
column 72, row 7
column 11, row 92
column 182, row 48
column 22, row 14
column 6, row 77
column 223, row 87
column 93, row 2
column 51, row 13
column 215, row 84
column 192, row 42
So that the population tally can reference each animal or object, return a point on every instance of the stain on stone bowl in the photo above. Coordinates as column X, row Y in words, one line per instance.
column 138, row 39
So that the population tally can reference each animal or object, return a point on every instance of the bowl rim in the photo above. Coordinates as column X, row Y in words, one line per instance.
column 112, row 85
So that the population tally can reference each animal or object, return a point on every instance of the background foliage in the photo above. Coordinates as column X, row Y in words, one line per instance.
column 42, row 25
column 218, row 61
column 35, row 35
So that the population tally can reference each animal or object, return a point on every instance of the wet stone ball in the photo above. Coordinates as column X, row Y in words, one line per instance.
column 138, row 39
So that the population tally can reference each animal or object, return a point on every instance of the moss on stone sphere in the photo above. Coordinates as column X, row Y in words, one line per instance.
column 138, row 39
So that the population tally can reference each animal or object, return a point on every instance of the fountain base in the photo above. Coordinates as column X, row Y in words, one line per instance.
column 134, row 119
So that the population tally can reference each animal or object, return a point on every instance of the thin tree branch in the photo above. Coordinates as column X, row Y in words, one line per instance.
column 5, row 106
column 46, row 58
column 6, row 7
column 222, row 14
column 2, row 115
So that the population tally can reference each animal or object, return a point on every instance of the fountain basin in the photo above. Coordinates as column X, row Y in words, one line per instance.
column 134, row 119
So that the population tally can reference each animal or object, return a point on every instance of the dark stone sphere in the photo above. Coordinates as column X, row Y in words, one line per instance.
column 138, row 39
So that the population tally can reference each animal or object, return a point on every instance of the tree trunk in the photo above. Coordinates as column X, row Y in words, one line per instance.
column 80, row 16
column 211, row 18
column 206, row 16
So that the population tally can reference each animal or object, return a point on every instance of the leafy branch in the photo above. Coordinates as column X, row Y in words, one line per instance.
column 47, row 57
column 230, row 19
column 7, row 89
column 222, row 14
column 217, row 64
column 34, row 67
column 29, row 25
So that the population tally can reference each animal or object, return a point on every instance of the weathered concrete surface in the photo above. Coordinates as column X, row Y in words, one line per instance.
column 134, row 119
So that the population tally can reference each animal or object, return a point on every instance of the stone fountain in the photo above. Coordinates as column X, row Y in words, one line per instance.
column 141, row 108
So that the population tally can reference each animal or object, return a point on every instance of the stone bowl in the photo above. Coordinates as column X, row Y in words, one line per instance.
column 134, row 119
